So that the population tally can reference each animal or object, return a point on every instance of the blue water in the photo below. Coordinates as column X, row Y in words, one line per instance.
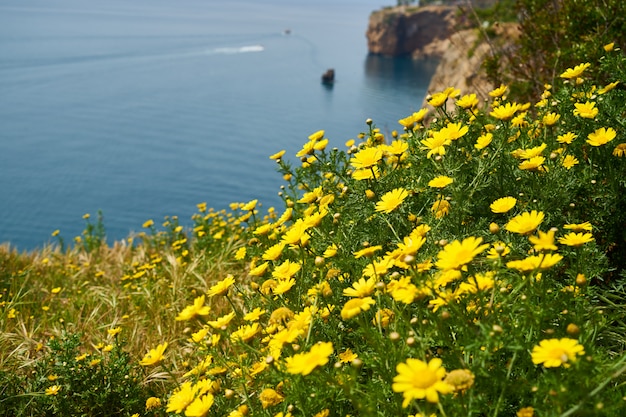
column 144, row 109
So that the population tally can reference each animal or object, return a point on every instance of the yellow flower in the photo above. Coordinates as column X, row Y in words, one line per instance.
column 533, row 263
column 550, row 119
column 601, row 136
column 576, row 239
column 367, row 158
column 254, row 315
column 361, row 288
column 277, row 155
column 270, row 397
column 576, row 71
column 391, row 200
column 147, row 224
column 579, row 227
column 569, row 161
column 259, row 270
column 283, row 286
column 536, row 162
column 460, row 379
column 479, row 282
column 197, row 309
column 483, row 141
column 608, row 87
column 440, row 181
column 502, row 205
column 383, row 317
column 152, row 402
column 440, row 208
column 520, row 120
column 436, row 144
column 240, row 254
column 199, row 335
column 532, row 152
column 438, row 99
column 505, row 112
column 587, row 110
column 498, row 250
column 355, row 306
column 620, row 150
column 457, row 254
column 410, row 121
column 307, row 149
column 526, row 412
column 553, row 353
column 331, row 251
column 53, row 390
column 221, row 287
column 181, row 397
column 222, row 321
column 245, row 333
column 397, row 148
column 525, row 223
column 367, row 252
column 609, row 47
column 544, row 241
column 316, row 136
column 467, row 101
column 566, row 138
column 305, row 363
column 297, row 234
column 286, row 270
column 114, row 331
column 419, row 380
column 402, row 290
column 154, row 356
column 454, row 131
column 498, row 92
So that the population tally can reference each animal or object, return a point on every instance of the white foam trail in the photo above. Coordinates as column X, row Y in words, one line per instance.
column 237, row 50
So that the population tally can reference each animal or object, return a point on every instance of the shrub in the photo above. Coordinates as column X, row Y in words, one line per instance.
column 556, row 34
column 454, row 269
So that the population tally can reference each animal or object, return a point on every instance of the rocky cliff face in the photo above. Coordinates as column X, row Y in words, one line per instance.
column 439, row 31
column 461, row 63
column 411, row 31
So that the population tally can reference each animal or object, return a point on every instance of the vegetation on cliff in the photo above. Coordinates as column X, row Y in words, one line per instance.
column 461, row 268
column 553, row 35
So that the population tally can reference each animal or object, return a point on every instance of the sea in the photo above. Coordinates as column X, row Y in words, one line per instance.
column 142, row 109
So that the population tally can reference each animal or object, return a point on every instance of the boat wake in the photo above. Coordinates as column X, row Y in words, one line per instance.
column 237, row 50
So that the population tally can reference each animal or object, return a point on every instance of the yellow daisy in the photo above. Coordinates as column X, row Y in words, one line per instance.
column 553, row 353
column 525, row 223
column 391, row 200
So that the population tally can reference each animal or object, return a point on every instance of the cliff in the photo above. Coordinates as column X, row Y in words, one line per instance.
column 416, row 31
column 461, row 63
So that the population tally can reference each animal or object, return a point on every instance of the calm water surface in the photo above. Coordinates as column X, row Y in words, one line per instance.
column 143, row 109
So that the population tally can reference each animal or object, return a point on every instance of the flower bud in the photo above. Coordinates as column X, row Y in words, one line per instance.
column 572, row 329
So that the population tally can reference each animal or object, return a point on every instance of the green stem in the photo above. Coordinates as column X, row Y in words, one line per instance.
column 508, row 374
column 597, row 389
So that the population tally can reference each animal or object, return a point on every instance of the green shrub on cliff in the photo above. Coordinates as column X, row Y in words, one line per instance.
column 556, row 34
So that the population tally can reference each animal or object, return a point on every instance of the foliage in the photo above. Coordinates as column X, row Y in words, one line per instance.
column 65, row 381
column 554, row 35
column 468, row 245
column 469, row 267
